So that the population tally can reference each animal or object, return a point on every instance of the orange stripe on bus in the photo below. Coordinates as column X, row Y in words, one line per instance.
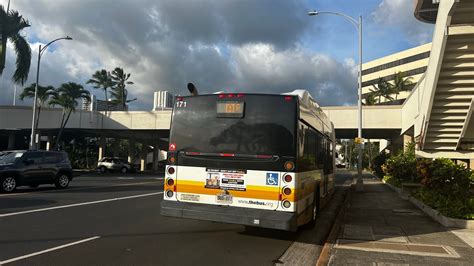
column 256, row 192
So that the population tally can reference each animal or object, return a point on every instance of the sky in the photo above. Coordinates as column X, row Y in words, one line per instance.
column 253, row 46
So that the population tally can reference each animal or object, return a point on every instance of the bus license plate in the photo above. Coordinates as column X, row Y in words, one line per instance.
column 224, row 198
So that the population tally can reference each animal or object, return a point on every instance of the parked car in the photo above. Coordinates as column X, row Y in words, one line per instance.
column 114, row 164
column 33, row 168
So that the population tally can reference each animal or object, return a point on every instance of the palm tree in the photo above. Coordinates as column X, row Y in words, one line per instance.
column 11, row 23
column 382, row 89
column 102, row 79
column 119, row 93
column 43, row 96
column 370, row 99
column 400, row 83
column 67, row 96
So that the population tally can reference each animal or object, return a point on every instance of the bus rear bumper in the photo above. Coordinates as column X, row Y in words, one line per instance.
column 235, row 215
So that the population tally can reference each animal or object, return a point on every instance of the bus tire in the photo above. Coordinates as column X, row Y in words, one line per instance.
column 315, row 207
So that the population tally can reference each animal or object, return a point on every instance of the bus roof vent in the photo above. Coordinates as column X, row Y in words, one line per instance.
column 305, row 97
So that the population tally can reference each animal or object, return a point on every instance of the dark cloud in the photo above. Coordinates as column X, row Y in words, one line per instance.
column 246, row 45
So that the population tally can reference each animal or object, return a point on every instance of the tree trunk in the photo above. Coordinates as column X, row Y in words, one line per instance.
column 106, row 102
column 63, row 125
column 37, row 118
column 3, row 52
column 370, row 153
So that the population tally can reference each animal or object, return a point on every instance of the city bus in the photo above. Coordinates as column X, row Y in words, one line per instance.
column 251, row 159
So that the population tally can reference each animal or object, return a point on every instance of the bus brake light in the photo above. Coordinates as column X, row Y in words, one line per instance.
column 289, row 166
column 227, row 155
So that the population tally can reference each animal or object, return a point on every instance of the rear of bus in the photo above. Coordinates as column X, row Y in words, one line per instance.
column 231, row 159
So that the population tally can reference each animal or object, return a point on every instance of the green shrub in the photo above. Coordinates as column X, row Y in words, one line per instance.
column 392, row 181
column 454, row 207
column 378, row 162
column 447, row 187
column 402, row 166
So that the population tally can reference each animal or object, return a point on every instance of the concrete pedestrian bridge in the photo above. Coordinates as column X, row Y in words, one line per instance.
column 378, row 122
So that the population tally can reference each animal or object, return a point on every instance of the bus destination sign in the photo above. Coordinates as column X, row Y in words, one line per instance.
column 230, row 109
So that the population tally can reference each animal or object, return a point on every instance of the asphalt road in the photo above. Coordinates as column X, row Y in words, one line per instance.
column 115, row 221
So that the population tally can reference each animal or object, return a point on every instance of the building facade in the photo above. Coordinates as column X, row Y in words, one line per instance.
column 411, row 62
column 162, row 100
column 100, row 105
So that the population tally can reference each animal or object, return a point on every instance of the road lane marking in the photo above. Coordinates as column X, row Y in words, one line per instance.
column 77, row 188
column 79, row 204
column 48, row 250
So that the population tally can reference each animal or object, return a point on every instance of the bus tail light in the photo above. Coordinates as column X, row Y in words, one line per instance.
column 286, row 204
column 170, row 182
column 287, row 191
column 289, row 165
column 171, row 171
column 171, row 159
column 169, row 193
column 288, row 178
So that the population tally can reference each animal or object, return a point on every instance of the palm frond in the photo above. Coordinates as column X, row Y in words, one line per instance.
column 23, row 58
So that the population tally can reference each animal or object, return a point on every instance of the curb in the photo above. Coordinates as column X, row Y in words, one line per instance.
column 434, row 214
column 397, row 190
column 324, row 256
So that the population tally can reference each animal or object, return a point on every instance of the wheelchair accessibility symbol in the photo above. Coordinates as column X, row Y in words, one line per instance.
column 272, row 179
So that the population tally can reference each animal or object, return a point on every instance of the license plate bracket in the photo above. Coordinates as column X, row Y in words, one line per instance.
column 224, row 198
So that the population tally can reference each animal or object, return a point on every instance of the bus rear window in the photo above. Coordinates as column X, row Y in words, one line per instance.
column 265, row 124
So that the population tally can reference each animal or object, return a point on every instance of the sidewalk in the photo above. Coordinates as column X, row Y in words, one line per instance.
column 380, row 228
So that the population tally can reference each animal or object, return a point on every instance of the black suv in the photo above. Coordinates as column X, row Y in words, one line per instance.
column 32, row 168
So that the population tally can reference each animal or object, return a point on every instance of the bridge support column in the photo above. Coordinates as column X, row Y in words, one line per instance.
column 143, row 156
column 407, row 139
column 49, row 143
column 471, row 164
column 131, row 145
column 102, row 144
column 156, row 154
column 11, row 141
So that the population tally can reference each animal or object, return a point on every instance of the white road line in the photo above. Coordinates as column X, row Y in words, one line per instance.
column 73, row 188
column 48, row 250
column 78, row 204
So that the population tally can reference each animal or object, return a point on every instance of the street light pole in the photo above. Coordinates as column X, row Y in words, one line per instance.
column 360, row 182
column 35, row 101
column 358, row 25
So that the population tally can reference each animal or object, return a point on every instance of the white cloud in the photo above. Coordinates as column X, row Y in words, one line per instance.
column 399, row 13
column 264, row 69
